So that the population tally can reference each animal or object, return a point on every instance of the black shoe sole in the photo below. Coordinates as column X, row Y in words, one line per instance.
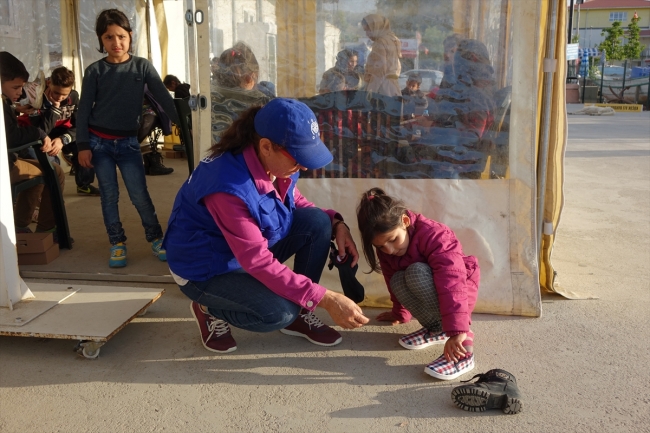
column 479, row 400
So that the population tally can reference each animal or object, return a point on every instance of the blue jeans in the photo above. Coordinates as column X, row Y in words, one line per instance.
column 244, row 302
column 125, row 154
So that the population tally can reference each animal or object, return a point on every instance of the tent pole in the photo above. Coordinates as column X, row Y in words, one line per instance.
column 77, row 31
column 546, row 121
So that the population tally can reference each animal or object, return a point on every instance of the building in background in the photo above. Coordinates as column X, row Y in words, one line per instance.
column 596, row 15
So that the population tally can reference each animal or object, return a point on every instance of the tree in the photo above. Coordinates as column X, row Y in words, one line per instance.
column 633, row 48
column 612, row 44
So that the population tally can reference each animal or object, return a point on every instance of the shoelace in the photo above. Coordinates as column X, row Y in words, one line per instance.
column 117, row 252
column 157, row 244
column 310, row 319
column 217, row 327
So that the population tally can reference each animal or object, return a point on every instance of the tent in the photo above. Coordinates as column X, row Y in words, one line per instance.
column 499, row 189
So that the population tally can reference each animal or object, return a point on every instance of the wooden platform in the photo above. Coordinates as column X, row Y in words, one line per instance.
column 90, row 314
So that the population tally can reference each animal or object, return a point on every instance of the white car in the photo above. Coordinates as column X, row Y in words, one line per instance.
column 430, row 78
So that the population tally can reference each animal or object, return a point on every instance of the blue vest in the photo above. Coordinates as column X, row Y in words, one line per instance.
column 196, row 247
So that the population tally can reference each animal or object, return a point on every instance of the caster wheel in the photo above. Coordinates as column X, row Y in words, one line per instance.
column 89, row 353
column 143, row 312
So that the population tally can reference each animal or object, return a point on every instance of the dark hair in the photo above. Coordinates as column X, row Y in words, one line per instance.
column 12, row 68
column 169, row 79
column 109, row 17
column 451, row 41
column 414, row 76
column 239, row 135
column 377, row 213
column 62, row 76
column 235, row 64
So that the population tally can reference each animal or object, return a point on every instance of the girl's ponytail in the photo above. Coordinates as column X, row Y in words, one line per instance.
column 239, row 134
column 377, row 213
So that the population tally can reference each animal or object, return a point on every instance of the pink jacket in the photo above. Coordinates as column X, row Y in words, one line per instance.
column 455, row 275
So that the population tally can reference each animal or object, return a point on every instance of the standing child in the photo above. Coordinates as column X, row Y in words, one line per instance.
column 427, row 275
column 107, row 125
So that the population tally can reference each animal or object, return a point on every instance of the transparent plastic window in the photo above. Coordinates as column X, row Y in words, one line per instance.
column 407, row 89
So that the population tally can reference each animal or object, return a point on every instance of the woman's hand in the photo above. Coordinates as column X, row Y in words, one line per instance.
column 389, row 316
column 84, row 157
column 343, row 311
column 344, row 243
column 454, row 349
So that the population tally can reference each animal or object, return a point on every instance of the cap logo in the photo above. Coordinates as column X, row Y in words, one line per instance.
column 314, row 127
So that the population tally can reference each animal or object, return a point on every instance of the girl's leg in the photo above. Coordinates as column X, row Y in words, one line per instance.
column 103, row 159
column 415, row 290
column 243, row 301
column 129, row 160
column 309, row 240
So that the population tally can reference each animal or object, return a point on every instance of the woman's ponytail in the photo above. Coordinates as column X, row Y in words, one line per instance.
column 239, row 134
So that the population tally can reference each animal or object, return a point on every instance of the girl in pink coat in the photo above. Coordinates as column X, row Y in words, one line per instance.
column 427, row 275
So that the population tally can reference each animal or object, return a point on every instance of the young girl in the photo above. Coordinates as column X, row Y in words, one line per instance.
column 427, row 275
column 107, row 125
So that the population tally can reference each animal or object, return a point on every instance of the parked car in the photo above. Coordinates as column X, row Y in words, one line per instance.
column 430, row 78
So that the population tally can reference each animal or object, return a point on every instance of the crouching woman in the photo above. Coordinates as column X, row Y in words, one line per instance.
column 240, row 216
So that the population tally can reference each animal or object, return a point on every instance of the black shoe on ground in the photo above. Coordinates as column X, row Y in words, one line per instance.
column 352, row 288
column 88, row 190
column 496, row 389
column 153, row 165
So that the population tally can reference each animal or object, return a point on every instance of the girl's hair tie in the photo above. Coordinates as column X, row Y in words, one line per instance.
column 370, row 197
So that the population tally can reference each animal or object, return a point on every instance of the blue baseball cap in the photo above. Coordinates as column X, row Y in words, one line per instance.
column 292, row 125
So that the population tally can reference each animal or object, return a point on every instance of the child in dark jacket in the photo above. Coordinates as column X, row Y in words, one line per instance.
column 58, row 118
column 14, row 75
column 427, row 275
column 108, row 121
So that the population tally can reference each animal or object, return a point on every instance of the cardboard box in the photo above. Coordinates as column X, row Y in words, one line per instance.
column 174, row 154
column 29, row 243
column 42, row 258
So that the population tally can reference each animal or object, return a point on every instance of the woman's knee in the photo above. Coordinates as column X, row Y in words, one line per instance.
column 314, row 221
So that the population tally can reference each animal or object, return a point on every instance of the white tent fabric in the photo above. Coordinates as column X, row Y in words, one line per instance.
column 12, row 288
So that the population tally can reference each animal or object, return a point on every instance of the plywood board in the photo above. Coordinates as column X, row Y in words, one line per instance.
column 93, row 313
column 46, row 297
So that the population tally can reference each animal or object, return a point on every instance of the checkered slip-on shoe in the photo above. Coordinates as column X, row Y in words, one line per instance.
column 444, row 370
column 422, row 338
column 308, row 326
column 215, row 333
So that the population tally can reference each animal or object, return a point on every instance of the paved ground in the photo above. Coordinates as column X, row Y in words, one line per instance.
column 582, row 367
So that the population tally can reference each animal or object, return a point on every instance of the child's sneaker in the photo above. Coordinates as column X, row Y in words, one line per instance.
column 118, row 256
column 89, row 190
column 215, row 333
column 445, row 370
column 308, row 326
column 496, row 389
column 158, row 250
column 422, row 338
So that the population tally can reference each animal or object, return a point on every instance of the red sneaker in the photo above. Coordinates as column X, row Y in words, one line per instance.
column 309, row 326
column 215, row 333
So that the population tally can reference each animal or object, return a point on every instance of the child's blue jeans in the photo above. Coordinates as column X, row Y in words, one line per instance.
column 123, row 153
